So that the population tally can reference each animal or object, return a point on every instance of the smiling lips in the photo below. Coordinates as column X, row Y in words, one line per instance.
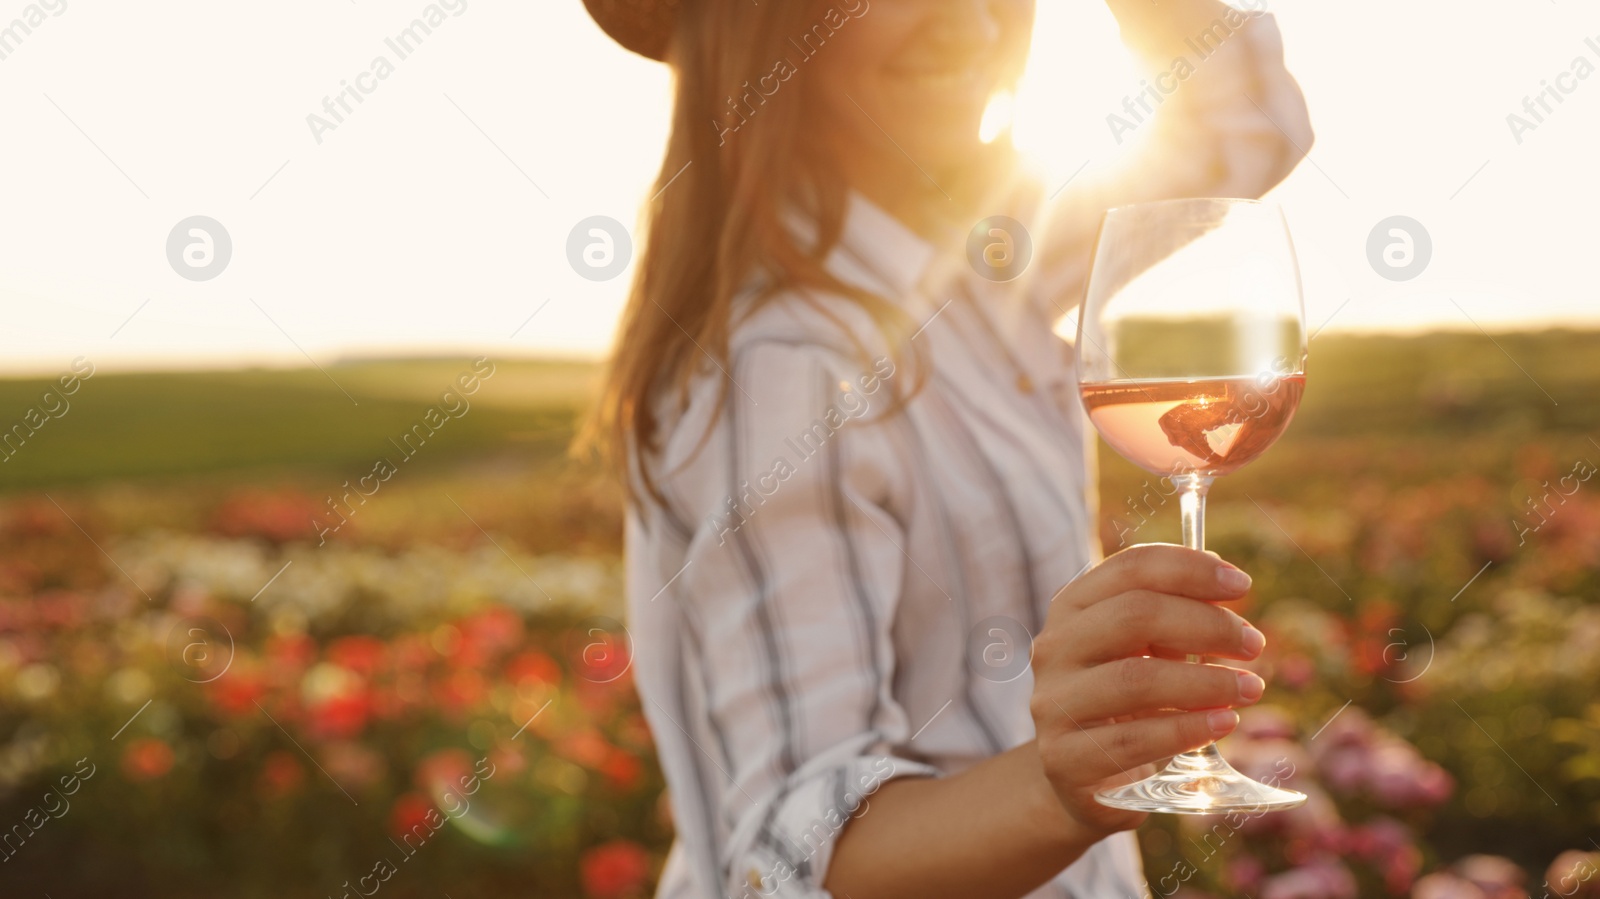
column 972, row 75
column 946, row 80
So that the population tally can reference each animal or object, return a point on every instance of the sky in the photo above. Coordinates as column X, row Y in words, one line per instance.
column 434, row 216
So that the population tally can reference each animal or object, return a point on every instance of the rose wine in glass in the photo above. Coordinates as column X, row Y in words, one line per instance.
column 1209, row 426
column 1191, row 357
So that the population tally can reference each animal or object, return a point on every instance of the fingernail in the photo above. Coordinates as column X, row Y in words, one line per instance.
column 1254, row 641
column 1251, row 686
column 1222, row 720
column 1232, row 579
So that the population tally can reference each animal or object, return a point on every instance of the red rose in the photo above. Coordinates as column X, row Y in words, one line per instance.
column 534, row 667
column 237, row 693
column 412, row 652
column 586, row 746
column 59, row 608
column 622, row 769
column 275, row 516
column 362, row 654
column 291, row 651
column 459, row 692
column 443, row 770
column 146, row 759
column 409, row 811
column 281, row 774
column 488, row 633
column 615, row 869
column 339, row 717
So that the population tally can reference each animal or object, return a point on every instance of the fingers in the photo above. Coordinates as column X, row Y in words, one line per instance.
column 1101, row 752
column 1160, row 568
column 1143, row 622
column 1133, row 685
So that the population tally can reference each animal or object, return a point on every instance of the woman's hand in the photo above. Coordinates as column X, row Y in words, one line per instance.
column 1159, row 31
column 1112, row 693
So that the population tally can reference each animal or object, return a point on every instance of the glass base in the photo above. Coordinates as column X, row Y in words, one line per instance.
column 1199, row 783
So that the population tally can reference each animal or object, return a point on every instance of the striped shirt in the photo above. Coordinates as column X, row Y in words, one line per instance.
column 832, row 596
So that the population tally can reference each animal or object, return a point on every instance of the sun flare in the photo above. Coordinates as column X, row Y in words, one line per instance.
column 1078, row 73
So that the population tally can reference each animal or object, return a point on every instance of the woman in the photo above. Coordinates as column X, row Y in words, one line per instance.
column 859, row 478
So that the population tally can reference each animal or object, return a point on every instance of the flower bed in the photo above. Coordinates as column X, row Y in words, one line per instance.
column 277, row 718
column 197, row 699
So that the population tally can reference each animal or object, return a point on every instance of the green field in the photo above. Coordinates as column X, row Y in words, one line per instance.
column 152, row 425
column 1446, row 390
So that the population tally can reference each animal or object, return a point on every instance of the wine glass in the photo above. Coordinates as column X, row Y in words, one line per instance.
column 1191, row 359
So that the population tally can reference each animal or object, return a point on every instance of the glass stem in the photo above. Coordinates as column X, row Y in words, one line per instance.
column 1192, row 505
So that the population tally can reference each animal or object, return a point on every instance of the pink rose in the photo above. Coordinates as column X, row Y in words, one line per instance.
column 1574, row 875
column 1400, row 870
column 1323, row 879
column 1444, row 885
column 1379, row 839
column 1244, row 874
column 1498, row 878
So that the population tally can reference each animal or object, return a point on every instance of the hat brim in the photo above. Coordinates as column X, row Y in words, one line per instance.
column 643, row 26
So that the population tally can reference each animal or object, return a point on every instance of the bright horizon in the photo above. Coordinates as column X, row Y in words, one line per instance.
column 434, row 218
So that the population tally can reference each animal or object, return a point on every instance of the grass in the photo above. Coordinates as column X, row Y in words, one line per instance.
column 1439, row 389
column 138, row 426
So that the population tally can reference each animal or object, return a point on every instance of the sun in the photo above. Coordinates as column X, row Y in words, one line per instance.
column 1078, row 74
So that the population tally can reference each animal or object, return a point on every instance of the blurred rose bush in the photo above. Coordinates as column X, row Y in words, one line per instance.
column 265, row 717
column 253, row 745
column 1467, row 760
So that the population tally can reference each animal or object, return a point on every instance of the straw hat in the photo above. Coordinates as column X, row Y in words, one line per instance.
column 643, row 26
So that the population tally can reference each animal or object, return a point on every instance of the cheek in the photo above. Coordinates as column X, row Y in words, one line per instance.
column 843, row 64
column 1018, row 13
column 853, row 56
column 842, row 71
column 1016, row 24
column 854, row 93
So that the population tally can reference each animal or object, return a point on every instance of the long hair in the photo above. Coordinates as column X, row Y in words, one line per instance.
column 739, row 156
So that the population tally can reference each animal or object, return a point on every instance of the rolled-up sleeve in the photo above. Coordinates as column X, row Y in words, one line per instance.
column 791, row 596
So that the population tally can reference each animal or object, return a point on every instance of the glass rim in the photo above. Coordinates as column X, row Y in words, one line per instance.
column 1173, row 201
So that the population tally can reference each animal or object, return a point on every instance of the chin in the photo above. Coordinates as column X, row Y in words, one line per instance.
column 953, row 143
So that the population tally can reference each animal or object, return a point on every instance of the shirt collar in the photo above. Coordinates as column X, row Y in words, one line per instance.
column 877, row 247
column 875, row 250
column 879, row 253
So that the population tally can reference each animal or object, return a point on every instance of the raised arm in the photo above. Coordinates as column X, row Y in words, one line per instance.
column 1218, row 115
